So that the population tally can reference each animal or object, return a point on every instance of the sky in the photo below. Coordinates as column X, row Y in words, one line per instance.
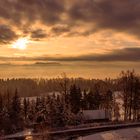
column 103, row 33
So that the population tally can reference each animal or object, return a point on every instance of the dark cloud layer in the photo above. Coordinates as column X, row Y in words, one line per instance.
column 126, row 54
column 47, row 11
column 117, row 15
column 6, row 34
column 109, row 14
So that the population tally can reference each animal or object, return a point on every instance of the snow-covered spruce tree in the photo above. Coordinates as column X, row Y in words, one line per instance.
column 1, row 103
column 26, row 106
column 60, row 118
column 1, row 112
column 75, row 99
column 15, row 113
column 4, row 113
column 40, row 108
column 84, row 103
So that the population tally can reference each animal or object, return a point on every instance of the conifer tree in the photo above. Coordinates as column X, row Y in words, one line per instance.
column 75, row 99
column 15, row 111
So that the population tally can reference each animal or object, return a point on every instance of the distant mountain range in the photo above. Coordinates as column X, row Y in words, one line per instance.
column 34, row 64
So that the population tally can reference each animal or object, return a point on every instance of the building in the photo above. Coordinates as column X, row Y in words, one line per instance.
column 89, row 116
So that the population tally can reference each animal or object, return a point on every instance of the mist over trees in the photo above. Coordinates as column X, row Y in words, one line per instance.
column 68, row 98
column 36, row 87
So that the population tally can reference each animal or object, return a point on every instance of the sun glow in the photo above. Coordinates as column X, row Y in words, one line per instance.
column 21, row 43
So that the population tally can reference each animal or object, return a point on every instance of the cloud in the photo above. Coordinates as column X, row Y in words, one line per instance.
column 38, row 34
column 21, row 11
column 24, row 14
column 91, row 15
column 47, row 64
column 59, row 30
column 7, row 34
column 118, row 15
column 126, row 54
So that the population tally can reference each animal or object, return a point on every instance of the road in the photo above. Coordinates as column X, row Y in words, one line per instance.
column 73, row 132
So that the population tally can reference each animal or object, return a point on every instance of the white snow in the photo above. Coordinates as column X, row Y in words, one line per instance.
column 122, row 134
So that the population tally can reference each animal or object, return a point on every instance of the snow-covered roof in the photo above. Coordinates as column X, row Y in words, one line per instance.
column 95, row 114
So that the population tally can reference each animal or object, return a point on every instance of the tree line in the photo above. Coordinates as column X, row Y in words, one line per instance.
column 37, row 87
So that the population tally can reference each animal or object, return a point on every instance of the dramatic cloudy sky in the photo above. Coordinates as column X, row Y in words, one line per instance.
column 70, row 30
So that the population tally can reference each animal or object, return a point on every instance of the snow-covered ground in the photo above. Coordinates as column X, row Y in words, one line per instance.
column 122, row 134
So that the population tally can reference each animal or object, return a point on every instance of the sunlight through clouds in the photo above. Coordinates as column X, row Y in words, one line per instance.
column 21, row 43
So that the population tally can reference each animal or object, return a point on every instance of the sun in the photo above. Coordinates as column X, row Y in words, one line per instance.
column 20, row 44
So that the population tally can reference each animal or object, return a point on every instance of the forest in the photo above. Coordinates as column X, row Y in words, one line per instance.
column 56, row 103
